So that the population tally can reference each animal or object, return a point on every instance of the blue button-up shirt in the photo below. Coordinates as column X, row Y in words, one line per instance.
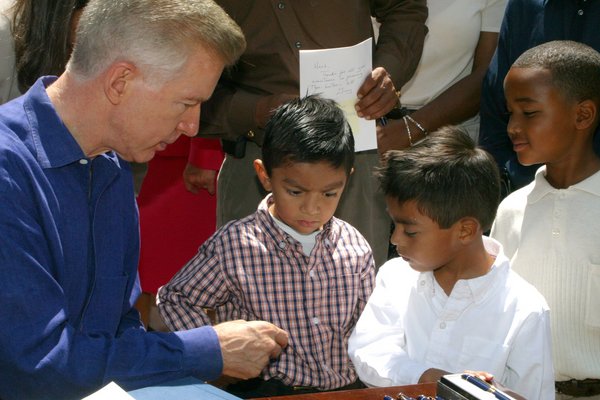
column 526, row 24
column 69, row 247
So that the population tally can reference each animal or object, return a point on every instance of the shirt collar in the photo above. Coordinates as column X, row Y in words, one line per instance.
column 330, row 231
column 483, row 286
column 540, row 187
column 477, row 288
column 54, row 144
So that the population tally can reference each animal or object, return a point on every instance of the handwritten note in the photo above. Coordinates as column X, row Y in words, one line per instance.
column 337, row 74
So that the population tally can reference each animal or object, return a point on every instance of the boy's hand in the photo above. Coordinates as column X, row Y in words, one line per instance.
column 432, row 375
column 489, row 378
column 247, row 347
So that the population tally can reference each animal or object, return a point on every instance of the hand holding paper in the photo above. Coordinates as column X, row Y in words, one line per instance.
column 338, row 74
column 377, row 95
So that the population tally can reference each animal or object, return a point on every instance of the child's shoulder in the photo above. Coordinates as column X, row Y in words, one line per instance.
column 518, row 198
column 346, row 230
column 396, row 272
column 514, row 204
column 524, row 294
column 248, row 228
column 591, row 184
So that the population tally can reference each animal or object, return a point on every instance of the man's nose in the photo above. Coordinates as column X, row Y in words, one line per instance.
column 190, row 122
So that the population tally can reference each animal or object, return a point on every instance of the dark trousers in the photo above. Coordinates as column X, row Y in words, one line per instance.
column 257, row 387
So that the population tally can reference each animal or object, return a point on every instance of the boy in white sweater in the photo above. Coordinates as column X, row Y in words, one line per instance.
column 549, row 228
column 450, row 302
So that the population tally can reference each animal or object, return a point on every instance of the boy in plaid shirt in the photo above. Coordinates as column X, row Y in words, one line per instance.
column 291, row 262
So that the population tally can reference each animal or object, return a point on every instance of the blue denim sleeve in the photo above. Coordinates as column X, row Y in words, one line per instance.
column 45, row 353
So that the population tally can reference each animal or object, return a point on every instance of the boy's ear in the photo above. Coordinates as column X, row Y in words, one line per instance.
column 468, row 229
column 587, row 112
column 263, row 177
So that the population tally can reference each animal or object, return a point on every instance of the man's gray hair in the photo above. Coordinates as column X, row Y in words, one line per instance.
column 157, row 35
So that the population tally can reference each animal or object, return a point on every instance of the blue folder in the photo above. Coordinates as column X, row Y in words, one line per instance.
column 183, row 389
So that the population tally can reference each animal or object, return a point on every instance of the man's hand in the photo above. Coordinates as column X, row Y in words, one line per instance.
column 377, row 95
column 247, row 347
column 267, row 104
column 392, row 136
column 196, row 179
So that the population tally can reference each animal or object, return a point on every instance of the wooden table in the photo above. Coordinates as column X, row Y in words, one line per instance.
column 427, row 389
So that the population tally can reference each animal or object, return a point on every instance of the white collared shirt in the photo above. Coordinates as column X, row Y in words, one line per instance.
column 496, row 323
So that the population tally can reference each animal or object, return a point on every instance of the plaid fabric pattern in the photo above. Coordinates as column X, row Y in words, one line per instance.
column 250, row 269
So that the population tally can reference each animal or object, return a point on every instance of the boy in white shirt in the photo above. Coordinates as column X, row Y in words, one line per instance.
column 550, row 227
column 450, row 302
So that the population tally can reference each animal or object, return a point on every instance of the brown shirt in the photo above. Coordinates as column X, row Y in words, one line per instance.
column 276, row 30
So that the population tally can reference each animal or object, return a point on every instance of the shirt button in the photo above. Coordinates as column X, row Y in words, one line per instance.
column 298, row 44
column 580, row 12
column 281, row 5
column 422, row 282
column 442, row 325
column 282, row 245
column 556, row 232
column 311, row 274
column 250, row 134
column 315, row 321
column 83, row 161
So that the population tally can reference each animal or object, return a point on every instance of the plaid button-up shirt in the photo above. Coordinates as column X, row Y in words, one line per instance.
column 251, row 269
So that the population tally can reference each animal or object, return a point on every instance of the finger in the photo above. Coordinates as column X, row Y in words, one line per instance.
column 211, row 188
column 281, row 338
column 367, row 86
column 275, row 352
column 379, row 108
column 191, row 187
column 378, row 102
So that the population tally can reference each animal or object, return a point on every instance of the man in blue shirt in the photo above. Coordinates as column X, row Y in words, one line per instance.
column 69, row 237
column 526, row 24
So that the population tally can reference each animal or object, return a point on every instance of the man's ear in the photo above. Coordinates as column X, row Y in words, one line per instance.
column 263, row 177
column 586, row 114
column 118, row 81
column 468, row 229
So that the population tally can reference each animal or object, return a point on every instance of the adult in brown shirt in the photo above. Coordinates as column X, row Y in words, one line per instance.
column 267, row 74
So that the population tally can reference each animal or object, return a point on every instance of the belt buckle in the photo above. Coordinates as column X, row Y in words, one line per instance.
column 303, row 388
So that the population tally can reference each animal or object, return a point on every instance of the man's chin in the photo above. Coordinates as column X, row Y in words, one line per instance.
column 139, row 158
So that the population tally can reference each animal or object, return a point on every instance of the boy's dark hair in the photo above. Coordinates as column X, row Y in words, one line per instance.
column 308, row 129
column 447, row 176
column 574, row 66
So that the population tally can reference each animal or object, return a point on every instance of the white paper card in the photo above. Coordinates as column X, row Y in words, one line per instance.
column 337, row 74
column 112, row 391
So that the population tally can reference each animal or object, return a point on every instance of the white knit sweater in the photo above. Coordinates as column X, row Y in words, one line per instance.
column 552, row 237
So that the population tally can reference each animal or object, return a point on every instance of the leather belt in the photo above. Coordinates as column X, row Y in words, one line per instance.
column 579, row 388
